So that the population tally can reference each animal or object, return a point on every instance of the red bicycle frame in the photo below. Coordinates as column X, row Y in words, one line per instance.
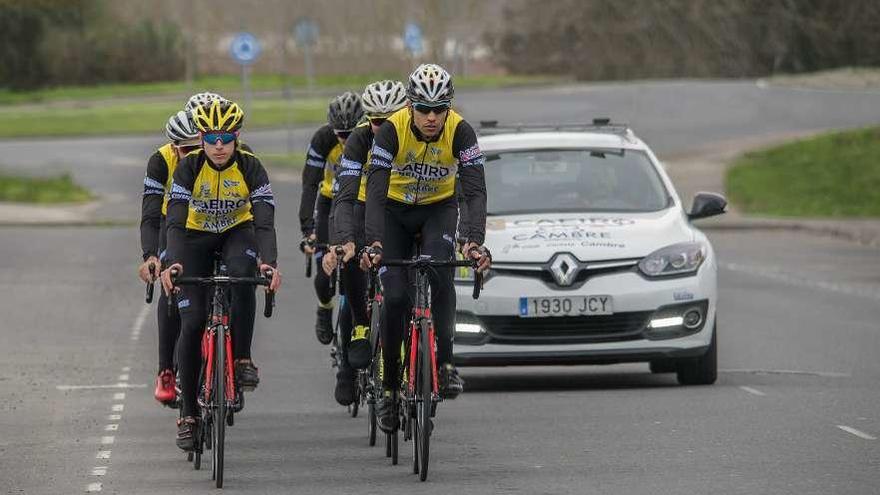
column 209, row 338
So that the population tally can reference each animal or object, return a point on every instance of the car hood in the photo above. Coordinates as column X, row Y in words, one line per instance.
column 536, row 237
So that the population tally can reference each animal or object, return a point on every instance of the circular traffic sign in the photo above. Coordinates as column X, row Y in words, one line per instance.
column 245, row 48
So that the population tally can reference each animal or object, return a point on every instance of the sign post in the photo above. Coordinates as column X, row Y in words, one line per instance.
column 306, row 32
column 245, row 49
column 412, row 39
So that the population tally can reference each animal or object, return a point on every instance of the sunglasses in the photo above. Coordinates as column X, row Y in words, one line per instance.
column 342, row 134
column 425, row 109
column 223, row 137
column 378, row 121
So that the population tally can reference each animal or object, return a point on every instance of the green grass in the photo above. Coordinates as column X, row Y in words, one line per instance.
column 231, row 85
column 291, row 161
column 832, row 175
column 141, row 117
column 60, row 189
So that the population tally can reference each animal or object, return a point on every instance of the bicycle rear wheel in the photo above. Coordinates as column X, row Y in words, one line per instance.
column 219, row 420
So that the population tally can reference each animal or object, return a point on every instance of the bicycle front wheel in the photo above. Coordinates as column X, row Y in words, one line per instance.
column 424, row 398
column 219, row 422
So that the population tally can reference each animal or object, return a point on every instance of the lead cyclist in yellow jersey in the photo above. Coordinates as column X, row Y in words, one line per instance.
column 417, row 155
column 221, row 200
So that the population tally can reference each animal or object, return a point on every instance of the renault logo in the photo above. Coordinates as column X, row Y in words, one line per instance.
column 564, row 268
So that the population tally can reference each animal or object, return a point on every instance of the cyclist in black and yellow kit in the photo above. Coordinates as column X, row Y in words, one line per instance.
column 184, row 138
column 221, row 200
column 322, row 159
column 418, row 155
column 380, row 99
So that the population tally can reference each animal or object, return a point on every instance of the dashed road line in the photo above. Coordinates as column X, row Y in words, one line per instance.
column 858, row 433
column 752, row 371
column 752, row 391
column 117, row 406
column 800, row 281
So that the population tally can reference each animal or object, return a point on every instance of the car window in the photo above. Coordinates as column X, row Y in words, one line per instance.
column 573, row 180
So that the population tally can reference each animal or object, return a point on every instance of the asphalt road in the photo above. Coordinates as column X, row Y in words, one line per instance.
column 794, row 411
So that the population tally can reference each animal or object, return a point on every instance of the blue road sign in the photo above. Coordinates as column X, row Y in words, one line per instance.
column 306, row 31
column 412, row 38
column 245, row 48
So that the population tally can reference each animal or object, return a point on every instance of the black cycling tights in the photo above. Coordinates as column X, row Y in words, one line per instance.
column 322, row 228
column 436, row 223
column 238, row 247
column 169, row 329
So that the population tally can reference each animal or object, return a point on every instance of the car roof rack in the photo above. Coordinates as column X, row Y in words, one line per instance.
column 600, row 125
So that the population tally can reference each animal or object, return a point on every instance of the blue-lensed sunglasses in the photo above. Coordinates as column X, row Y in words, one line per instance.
column 425, row 109
column 224, row 137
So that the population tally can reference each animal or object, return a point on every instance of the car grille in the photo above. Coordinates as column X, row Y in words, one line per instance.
column 565, row 329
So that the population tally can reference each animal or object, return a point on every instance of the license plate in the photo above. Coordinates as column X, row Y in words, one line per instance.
column 537, row 307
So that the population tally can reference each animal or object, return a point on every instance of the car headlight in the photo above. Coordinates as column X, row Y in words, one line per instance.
column 677, row 259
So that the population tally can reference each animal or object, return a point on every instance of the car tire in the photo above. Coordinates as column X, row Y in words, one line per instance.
column 702, row 370
column 663, row 366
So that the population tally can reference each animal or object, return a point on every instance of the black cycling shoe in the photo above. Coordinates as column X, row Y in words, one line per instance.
column 385, row 417
column 246, row 374
column 324, row 325
column 359, row 352
column 451, row 384
column 187, row 432
column 344, row 392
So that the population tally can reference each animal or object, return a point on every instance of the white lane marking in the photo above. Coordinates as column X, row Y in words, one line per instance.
column 93, row 487
column 114, row 417
column 91, row 387
column 823, row 374
column 126, row 369
column 141, row 317
column 775, row 273
column 99, row 471
column 112, row 427
column 123, row 377
column 117, row 407
column 858, row 433
column 103, row 454
column 119, row 396
column 107, row 440
column 752, row 391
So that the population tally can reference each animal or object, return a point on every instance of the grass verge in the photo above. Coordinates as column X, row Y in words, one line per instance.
column 142, row 117
column 832, row 175
column 232, row 85
column 60, row 189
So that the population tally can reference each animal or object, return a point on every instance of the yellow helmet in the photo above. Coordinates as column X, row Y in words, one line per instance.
column 219, row 115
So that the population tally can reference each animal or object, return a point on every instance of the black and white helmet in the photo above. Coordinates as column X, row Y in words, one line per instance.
column 181, row 127
column 384, row 97
column 430, row 83
column 345, row 111
column 201, row 99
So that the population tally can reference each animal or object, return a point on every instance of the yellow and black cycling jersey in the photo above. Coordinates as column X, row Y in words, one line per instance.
column 351, row 180
column 209, row 199
column 407, row 168
column 322, row 159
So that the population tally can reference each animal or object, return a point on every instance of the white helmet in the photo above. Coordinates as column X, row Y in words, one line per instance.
column 201, row 99
column 430, row 83
column 383, row 97
column 181, row 127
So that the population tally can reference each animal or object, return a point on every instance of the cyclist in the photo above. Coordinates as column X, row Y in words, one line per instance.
column 322, row 158
column 416, row 156
column 380, row 100
column 183, row 137
column 221, row 201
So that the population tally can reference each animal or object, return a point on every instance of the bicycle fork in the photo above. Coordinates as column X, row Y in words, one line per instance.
column 209, row 340
column 415, row 346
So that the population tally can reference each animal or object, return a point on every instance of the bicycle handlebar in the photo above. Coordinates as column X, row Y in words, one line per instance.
column 426, row 262
column 227, row 280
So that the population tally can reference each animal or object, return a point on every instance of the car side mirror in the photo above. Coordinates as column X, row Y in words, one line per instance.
column 706, row 205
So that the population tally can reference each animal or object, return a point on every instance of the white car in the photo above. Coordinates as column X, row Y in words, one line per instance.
column 595, row 260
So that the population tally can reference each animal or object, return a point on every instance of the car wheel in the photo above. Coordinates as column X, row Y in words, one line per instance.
column 663, row 366
column 702, row 370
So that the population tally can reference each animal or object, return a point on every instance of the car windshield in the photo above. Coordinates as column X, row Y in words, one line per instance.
column 573, row 180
